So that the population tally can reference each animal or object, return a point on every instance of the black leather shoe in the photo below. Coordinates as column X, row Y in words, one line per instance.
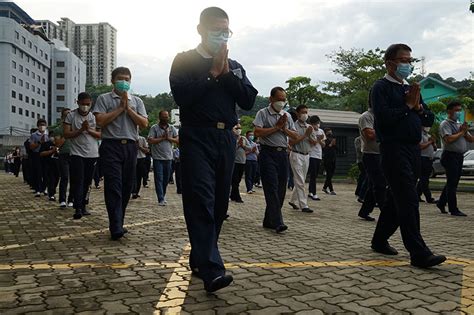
column 125, row 231
column 281, row 228
column 116, row 236
column 239, row 201
column 218, row 283
column 77, row 215
column 428, row 261
column 293, row 205
column 195, row 273
column 385, row 249
column 367, row 217
column 134, row 196
column 307, row 210
column 432, row 201
column 459, row 214
column 441, row 208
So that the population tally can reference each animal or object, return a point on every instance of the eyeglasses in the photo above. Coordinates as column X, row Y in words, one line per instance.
column 227, row 33
column 405, row 60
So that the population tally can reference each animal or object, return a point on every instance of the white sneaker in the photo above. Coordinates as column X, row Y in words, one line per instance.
column 250, row 192
column 62, row 204
column 166, row 202
column 38, row 194
column 70, row 204
column 162, row 204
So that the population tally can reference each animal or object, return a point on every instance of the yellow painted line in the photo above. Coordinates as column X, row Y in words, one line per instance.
column 172, row 298
column 81, row 234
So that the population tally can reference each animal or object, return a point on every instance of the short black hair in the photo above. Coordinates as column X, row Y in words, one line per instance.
column 276, row 89
column 392, row 51
column 210, row 13
column 300, row 107
column 83, row 96
column 248, row 131
column 314, row 119
column 161, row 112
column 453, row 104
column 41, row 121
column 121, row 70
column 327, row 129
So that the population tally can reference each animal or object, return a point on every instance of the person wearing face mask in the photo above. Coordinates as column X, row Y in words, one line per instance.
column 329, row 160
column 299, row 159
column 273, row 126
column 49, row 156
column 64, row 146
column 36, row 140
column 428, row 148
column 80, row 128
column 161, row 137
column 315, row 155
column 207, row 86
column 399, row 115
column 454, row 136
column 251, row 163
column 119, row 114
column 242, row 145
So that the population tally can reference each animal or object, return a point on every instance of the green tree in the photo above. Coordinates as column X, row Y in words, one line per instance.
column 96, row 90
column 359, row 69
column 301, row 92
column 246, row 122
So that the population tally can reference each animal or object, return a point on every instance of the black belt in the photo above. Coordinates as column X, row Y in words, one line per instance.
column 299, row 152
column 209, row 124
column 270, row 148
column 121, row 141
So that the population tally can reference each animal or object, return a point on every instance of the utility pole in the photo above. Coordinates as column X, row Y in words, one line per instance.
column 423, row 71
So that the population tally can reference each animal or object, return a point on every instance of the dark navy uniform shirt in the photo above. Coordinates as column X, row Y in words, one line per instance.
column 203, row 99
column 395, row 122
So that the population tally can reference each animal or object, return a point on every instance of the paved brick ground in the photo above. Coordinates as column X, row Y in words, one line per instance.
column 51, row 264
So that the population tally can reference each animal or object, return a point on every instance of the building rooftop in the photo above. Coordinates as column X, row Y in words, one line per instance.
column 12, row 11
column 336, row 117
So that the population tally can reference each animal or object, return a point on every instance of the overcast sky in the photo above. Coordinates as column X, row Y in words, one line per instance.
column 275, row 40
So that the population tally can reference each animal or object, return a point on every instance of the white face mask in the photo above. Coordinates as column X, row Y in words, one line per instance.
column 278, row 106
column 427, row 129
column 84, row 108
column 304, row 117
column 238, row 132
column 42, row 128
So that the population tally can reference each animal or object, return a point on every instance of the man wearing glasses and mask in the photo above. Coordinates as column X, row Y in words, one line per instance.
column 399, row 115
column 207, row 86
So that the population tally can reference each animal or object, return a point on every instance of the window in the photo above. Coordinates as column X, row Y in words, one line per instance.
column 32, row 101
column 23, row 39
column 13, row 79
column 13, row 94
column 33, row 114
column 20, row 96
column 33, row 75
column 60, row 86
column 13, row 109
column 44, row 81
column 33, row 88
column 21, row 54
column 429, row 86
column 27, row 84
column 45, row 57
column 27, row 113
column 41, row 52
column 14, row 50
column 21, row 82
column 13, row 64
column 27, row 98
column 44, row 106
column 20, row 110
column 17, row 35
column 59, row 63
column 38, row 103
column 36, row 49
column 60, row 75
column 44, row 93
column 27, row 71
column 38, row 90
column 60, row 98
column 20, row 68
column 29, row 44
column 341, row 148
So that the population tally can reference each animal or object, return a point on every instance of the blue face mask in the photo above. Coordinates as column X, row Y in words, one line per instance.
column 404, row 70
column 457, row 116
column 122, row 86
column 215, row 40
column 251, row 138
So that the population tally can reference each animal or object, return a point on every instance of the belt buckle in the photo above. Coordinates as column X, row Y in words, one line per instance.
column 279, row 149
column 123, row 141
column 220, row 125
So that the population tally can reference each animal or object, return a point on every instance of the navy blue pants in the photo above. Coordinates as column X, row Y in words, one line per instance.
column 118, row 162
column 376, row 188
column 250, row 173
column 313, row 171
column 37, row 170
column 400, row 164
column 274, row 174
column 362, row 181
column 423, row 186
column 207, row 159
column 82, row 170
column 162, row 174
column 452, row 163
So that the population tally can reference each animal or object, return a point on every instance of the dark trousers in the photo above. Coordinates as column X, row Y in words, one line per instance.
column 237, row 174
column 162, row 173
column 146, row 175
column 400, row 164
column 141, row 168
column 330, row 167
column 274, row 175
column 97, row 173
column 362, row 181
column 423, row 186
column 376, row 190
column 52, row 174
column 82, row 170
column 291, row 182
column 64, row 161
column 25, row 166
column 37, row 172
column 452, row 163
column 257, row 175
column 207, row 159
column 17, row 166
column 177, row 175
column 313, row 171
column 250, row 173
column 118, row 162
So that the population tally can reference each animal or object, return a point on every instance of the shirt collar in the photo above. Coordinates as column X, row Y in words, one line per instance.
column 200, row 50
column 115, row 95
column 392, row 79
column 272, row 111
column 302, row 124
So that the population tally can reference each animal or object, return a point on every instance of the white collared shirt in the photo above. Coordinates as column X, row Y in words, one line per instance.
column 392, row 79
